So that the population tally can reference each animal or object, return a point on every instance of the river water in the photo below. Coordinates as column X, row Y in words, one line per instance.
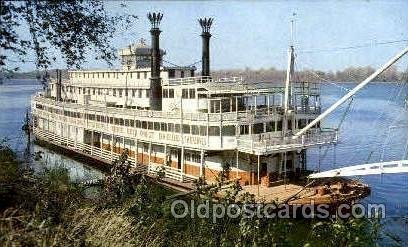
column 375, row 127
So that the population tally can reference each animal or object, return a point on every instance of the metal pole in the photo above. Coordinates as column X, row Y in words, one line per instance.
column 352, row 92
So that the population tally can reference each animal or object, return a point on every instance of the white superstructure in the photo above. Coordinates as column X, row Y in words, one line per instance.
column 204, row 123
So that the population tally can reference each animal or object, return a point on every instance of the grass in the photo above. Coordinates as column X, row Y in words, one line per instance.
column 47, row 209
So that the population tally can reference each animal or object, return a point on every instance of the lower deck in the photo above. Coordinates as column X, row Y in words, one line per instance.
column 182, row 164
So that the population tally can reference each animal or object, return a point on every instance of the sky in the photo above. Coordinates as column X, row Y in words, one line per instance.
column 256, row 34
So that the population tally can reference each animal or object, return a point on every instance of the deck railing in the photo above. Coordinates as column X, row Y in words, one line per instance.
column 264, row 143
column 108, row 156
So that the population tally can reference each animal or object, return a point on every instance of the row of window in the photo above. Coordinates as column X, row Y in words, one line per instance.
column 228, row 130
column 131, row 75
column 110, row 74
column 135, row 93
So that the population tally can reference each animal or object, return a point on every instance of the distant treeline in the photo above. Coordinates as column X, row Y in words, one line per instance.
column 350, row 74
column 32, row 75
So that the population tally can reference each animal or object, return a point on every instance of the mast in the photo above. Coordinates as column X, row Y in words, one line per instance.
column 289, row 77
column 352, row 92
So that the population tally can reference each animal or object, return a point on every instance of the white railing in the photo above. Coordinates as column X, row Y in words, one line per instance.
column 109, row 156
column 261, row 143
column 201, row 79
column 170, row 172
column 187, row 80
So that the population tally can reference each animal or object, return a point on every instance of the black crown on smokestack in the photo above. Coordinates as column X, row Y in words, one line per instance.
column 205, row 24
column 155, row 80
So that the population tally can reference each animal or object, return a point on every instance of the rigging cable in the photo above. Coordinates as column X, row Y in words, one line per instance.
column 355, row 46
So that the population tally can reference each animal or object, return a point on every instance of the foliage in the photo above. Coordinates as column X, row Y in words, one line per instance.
column 136, row 211
column 71, row 27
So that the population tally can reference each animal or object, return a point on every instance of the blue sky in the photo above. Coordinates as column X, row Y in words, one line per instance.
column 256, row 34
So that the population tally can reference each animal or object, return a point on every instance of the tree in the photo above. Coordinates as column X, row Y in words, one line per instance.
column 71, row 27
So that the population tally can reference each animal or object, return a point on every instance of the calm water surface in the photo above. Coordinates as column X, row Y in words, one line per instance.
column 375, row 128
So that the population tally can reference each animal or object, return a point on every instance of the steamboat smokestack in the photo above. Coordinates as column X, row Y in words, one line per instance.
column 205, row 24
column 155, row 80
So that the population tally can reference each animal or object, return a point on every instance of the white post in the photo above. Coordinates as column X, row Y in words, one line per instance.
column 137, row 151
column 202, row 164
column 352, row 92
column 259, row 175
column 182, row 163
column 237, row 162
column 111, row 147
column 92, row 141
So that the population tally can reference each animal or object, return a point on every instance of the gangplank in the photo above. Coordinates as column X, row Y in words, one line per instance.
column 398, row 166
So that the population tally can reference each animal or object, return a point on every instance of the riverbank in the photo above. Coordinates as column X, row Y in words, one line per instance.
column 131, row 210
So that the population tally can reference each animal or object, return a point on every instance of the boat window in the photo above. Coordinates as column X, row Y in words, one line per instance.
column 147, row 93
column 270, row 126
column 171, row 93
column 302, row 123
column 114, row 92
column 163, row 126
column 214, row 131
column 186, row 129
column 126, row 122
column 192, row 93
column 196, row 158
column 138, row 124
column 150, row 125
column 138, row 75
column 144, row 125
column 192, row 73
column 244, row 129
column 228, row 130
column 93, row 91
column 140, row 93
column 182, row 74
column 257, row 128
column 170, row 127
column 172, row 73
column 279, row 127
column 177, row 128
column 202, row 96
column 165, row 93
column 184, row 94
column 133, row 92
column 187, row 156
column 120, row 92
column 289, row 124
column 157, row 126
column 145, row 75
column 203, row 130
column 103, row 75
column 195, row 130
